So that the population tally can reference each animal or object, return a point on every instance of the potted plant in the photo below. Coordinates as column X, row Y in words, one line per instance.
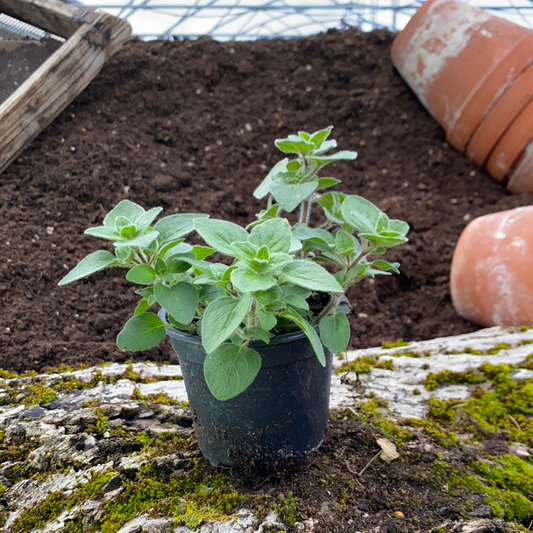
column 254, row 335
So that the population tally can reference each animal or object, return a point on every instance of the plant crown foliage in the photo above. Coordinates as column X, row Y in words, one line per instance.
column 274, row 267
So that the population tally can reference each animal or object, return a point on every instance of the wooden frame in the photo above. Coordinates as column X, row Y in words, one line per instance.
column 91, row 38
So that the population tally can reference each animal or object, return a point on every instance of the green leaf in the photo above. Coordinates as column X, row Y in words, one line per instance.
column 311, row 276
column 141, row 241
column 267, row 320
column 221, row 318
column 343, row 155
column 174, row 227
column 278, row 261
column 360, row 213
column 294, row 146
column 312, row 335
column 291, row 195
column 274, row 233
column 385, row 265
column 179, row 300
column 230, row 370
column 264, row 188
column 268, row 296
column 124, row 208
column 143, row 221
column 346, row 244
column 257, row 333
column 141, row 332
column 326, row 146
column 220, row 234
column 141, row 274
column 297, row 301
column 89, row 265
column 331, row 203
column 385, row 238
column 399, row 226
column 320, row 136
column 304, row 232
column 142, row 307
column 103, row 232
column 324, row 183
column 244, row 251
column 294, row 165
column 201, row 252
column 246, row 280
column 335, row 332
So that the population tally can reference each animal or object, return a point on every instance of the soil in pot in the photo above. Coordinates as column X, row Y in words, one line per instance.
column 190, row 126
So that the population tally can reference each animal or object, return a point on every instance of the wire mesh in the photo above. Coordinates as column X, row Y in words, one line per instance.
column 253, row 19
column 23, row 49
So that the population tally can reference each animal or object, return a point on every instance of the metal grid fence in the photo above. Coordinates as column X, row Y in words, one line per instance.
column 253, row 19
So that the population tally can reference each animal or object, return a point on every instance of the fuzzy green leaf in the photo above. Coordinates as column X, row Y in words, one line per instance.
column 179, row 300
column 274, row 233
column 126, row 209
column 311, row 276
column 103, row 232
column 264, row 187
column 221, row 318
column 312, row 335
column 246, row 280
column 220, row 234
column 230, row 370
column 174, row 227
column 141, row 274
column 335, row 332
column 141, row 332
column 267, row 320
column 89, row 265
column 141, row 241
column 291, row 195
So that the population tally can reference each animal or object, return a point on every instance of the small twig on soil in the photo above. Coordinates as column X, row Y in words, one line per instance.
column 354, row 412
column 513, row 420
column 370, row 462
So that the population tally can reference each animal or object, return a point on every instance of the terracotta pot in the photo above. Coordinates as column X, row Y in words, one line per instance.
column 491, row 281
column 448, row 51
column 480, row 102
column 511, row 144
column 496, row 123
column 522, row 178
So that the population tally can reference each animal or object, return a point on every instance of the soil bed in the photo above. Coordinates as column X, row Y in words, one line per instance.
column 190, row 126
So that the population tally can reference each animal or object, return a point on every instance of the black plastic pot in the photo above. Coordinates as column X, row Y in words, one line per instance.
column 283, row 415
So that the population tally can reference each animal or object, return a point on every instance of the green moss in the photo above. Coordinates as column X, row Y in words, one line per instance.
column 396, row 344
column 410, row 353
column 523, row 329
column 506, row 504
column 507, row 472
column 371, row 412
column 445, row 377
column 161, row 398
column 365, row 364
column 287, row 510
column 38, row 393
column 498, row 348
column 416, row 392
column 3, row 489
column 38, row 515
column 471, row 351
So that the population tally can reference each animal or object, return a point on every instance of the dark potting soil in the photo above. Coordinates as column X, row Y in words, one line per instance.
column 190, row 126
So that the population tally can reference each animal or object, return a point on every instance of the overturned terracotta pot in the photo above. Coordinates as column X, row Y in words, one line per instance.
column 449, row 52
column 492, row 269
column 522, row 178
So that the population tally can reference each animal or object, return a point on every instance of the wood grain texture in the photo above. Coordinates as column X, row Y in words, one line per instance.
column 52, row 16
column 57, row 82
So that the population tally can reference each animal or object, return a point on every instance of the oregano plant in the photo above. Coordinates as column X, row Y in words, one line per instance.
column 274, row 270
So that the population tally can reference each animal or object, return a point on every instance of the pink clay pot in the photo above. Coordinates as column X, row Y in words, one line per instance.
column 491, row 273
column 522, row 178
column 449, row 51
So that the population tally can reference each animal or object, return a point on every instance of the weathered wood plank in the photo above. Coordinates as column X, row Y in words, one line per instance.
column 52, row 16
column 56, row 83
